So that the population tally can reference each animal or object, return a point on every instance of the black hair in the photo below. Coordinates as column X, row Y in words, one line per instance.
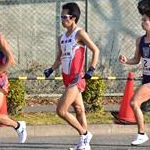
column 74, row 10
column 144, row 7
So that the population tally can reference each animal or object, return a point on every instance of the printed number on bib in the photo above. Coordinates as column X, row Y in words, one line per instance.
column 146, row 66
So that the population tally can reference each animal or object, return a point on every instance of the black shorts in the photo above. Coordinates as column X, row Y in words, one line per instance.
column 146, row 79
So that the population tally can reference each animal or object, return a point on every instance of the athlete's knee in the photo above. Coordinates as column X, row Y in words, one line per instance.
column 134, row 104
column 61, row 111
column 79, row 109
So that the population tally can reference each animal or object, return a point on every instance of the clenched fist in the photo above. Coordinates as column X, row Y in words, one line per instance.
column 122, row 59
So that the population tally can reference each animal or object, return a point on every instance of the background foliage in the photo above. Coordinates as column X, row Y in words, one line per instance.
column 93, row 93
column 16, row 97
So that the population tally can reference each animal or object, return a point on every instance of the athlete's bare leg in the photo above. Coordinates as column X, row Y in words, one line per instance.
column 141, row 95
column 80, row 111
column 64, row 103
column 4, row 119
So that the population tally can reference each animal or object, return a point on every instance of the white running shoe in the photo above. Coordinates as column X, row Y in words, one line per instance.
column 22, row 133
column 140, row 139
column 84, row 142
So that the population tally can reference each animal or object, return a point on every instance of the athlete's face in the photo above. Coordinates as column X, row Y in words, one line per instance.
column 146, row 23
column 66, row 19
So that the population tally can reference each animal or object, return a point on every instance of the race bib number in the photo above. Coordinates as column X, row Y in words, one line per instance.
column 146, row 66
column 66, row 58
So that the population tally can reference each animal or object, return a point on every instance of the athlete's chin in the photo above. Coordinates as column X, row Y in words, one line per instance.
column 146, row 28
column 64, row 25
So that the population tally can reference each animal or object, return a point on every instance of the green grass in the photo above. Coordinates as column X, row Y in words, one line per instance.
column 147, row 117
column 39, row 118
column 99, row 117
column 52, row 118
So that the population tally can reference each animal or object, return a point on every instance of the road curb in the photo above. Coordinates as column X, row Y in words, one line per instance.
column 62, row 130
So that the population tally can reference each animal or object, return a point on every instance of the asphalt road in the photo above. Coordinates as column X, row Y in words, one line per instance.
column 99, row 142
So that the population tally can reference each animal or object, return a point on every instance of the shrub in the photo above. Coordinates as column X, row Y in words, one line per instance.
column 92, row 96
column 16, row 97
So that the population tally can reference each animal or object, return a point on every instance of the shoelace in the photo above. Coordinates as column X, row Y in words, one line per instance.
column 85, row 141
column 22, row 131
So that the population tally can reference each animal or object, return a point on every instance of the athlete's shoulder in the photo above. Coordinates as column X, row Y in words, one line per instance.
column 81, row 32
column 61, row 36
column 141, row 37
column 138, row 39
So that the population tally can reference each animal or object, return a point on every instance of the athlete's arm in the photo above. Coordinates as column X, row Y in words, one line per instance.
column 5, row 48
column 57, row 60
column 56, row 64
column 135, row 59
column 83, row 37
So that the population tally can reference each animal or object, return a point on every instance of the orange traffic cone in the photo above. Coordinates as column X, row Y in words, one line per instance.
column 3, row 109
column 125, row 111
column 126, row 115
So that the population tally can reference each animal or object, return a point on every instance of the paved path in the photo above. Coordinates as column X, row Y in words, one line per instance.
column 52, row 108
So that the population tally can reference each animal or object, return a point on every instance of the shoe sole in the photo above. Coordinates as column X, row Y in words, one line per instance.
column 139, row 144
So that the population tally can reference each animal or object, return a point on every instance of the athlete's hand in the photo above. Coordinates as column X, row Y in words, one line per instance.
column 122, row 59
column 89, row 73
column 48, row 72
